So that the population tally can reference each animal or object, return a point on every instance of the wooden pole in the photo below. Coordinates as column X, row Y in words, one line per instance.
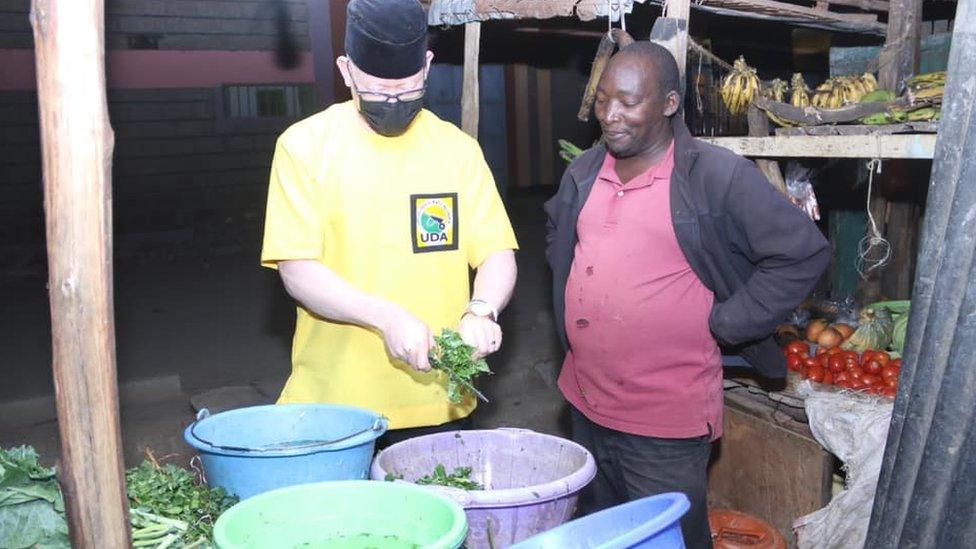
column 470, row 101
column 759, row 127
column 76, row 147
column 899, row 59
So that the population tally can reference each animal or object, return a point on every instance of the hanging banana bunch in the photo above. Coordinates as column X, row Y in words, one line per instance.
column 740, row 87
column 776, row 91
column 800, row 96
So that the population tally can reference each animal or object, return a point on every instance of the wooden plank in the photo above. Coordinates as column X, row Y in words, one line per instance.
column 779, row 9
column 867, row 5
column 523, row 175
column 544, row 114
column 919, row 146
column 77, row 154
column 860, row 129
column 759, row 127
column 768, row 465
column 470, row 99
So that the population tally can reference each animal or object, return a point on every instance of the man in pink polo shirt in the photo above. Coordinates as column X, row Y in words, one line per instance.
column 662, row 247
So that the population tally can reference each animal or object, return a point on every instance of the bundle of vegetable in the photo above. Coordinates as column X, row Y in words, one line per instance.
column 460, row 478
column 174, row 493
column 149, row 530
column 568, row 150
column 452, row 355
column 31, row 505
column 873, row 331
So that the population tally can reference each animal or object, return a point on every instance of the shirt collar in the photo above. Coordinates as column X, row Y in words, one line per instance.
column 661, row 170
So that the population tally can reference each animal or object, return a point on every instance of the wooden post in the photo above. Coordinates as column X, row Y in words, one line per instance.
column 759, row 127
column 76, row 147
column 470, row 101
column 899, row 59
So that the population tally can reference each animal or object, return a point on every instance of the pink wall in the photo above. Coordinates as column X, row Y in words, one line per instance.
column 133, row 69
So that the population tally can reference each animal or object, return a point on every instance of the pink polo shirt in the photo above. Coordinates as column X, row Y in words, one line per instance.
column 642, row 359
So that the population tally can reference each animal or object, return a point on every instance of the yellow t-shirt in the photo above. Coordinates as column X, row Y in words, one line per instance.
column 402, row 218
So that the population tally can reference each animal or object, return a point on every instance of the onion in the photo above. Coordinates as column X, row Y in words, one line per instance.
column 814, row 328
column 829, row 338
column 846, row 330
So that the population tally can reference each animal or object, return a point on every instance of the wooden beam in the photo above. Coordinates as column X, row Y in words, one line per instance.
column 759, row 127
column 523, row 160
column 470, row 100
column 866, row 5
column 919, row 146
column 543, row 80
column 76, row 149
column 865, row 21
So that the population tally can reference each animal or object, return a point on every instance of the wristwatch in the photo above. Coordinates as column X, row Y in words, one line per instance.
column 480, row 307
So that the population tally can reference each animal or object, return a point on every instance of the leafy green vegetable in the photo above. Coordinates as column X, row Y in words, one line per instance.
column 454, row 356
column 460, row 478
column 31, row 505
column 174, row 493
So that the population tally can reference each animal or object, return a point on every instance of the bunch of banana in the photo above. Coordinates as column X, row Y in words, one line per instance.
column 924, row 114
column 740, row 87
column 885, row 96
column 843, row 90
column 776, row 91
column 926, row 88
column 800, row 96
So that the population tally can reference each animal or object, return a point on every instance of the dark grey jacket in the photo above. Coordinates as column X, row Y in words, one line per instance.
column 759, row 254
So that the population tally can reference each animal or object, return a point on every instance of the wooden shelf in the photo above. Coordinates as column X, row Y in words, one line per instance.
column 917, row 146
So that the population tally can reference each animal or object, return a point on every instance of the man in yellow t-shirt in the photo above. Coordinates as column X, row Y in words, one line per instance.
column 377, row 211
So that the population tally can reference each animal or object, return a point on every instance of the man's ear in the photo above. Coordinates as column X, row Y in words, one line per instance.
column 672, row 102
column 342, row 62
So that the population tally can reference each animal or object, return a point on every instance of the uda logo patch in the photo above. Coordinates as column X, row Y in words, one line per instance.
column 434, row 222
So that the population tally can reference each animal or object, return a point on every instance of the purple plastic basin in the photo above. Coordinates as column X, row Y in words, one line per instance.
column 531, row 480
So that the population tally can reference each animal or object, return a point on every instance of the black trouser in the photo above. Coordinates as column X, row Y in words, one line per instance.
column 630, row 467
column 399, row 435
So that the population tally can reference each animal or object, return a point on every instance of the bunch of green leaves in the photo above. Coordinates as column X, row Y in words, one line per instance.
column 31, row 504
column 456, row 357
column 174, row 493
column 460, row 478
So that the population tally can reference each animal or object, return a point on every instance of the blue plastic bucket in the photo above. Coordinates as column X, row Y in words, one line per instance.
column 652, row 522
column 248, row 451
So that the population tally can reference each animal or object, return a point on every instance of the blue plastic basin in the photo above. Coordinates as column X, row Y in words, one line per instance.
column 252, row 450
column 653, row 522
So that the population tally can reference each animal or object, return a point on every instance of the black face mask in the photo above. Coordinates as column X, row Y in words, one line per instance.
column 390, row 119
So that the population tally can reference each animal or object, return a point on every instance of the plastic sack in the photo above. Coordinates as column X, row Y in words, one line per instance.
column 853, row 427
column 799, row 187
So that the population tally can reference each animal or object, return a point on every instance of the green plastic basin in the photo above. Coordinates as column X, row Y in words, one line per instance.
column 344, row 515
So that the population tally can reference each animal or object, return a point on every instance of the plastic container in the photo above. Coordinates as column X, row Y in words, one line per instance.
column 735, row 530
column 532, row 480
column 248, row 451
column 343, row 515
column 653, row 523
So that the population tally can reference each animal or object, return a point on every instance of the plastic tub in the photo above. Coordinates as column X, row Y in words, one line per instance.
column 651, row 523
column 343, row 515
column 248, row 451
column 736, row 530
column 532, row 480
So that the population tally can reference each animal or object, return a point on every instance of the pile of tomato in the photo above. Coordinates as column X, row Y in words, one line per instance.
column 872, row 372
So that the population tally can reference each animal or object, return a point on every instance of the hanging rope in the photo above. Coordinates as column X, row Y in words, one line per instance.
column 873, row 244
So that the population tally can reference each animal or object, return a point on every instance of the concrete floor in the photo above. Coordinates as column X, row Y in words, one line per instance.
column 190, row 323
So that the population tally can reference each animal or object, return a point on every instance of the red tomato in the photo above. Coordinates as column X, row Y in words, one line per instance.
column 794, row 361
column 870, row 379
column 890, row 372
column 889, row 392
column 845, row 384
column 855, row 372
column 822, row 360
column 851, row 356
column 857, row 384
column 866, row 356
column 799, row 347
column 809, row 361
column 841, row 377
column 828, row 378
column 836, row 363
column 893, row 383
column 873, row 367
column 816, row 373
column 882, row 357
column 834, row 351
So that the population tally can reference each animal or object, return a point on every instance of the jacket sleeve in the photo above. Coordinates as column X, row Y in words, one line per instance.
column 785, row 246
